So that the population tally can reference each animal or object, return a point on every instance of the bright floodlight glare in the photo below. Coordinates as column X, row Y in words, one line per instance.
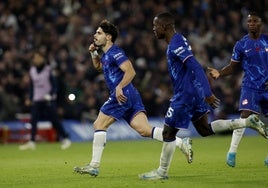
column 71, row 97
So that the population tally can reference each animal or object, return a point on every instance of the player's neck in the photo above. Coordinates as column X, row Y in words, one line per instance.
column 169, row 36
column 254, row 35
column 107, row 46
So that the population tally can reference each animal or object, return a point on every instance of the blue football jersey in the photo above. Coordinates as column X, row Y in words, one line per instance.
column 253, row 54
column 111, row 61
column 187, row 75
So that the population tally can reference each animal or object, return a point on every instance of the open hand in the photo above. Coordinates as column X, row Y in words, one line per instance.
column 213, row 101
column 121, row 98
column 214, row 73
column 92, row 48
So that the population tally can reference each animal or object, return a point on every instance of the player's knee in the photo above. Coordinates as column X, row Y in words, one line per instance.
column 169, row 134
column 205, row 133
column 95, row 125
column 98, row 126
column 245, row 114
column 145, row 132
column 203, row 129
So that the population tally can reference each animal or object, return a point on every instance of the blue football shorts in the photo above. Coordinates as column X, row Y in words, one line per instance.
column 253, row 100
column 181, row 113
column 125, row 110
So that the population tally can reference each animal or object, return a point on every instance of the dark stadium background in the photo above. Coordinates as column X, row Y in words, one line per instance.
column 64, row 30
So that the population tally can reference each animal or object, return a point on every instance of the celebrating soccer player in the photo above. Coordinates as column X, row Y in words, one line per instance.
column 124, row 101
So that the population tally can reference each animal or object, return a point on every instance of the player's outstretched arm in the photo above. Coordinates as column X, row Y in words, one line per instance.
column 225, row 71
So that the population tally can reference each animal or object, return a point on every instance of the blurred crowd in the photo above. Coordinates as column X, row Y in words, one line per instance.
column 63, row 29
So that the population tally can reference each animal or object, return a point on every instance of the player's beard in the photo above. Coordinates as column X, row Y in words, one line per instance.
column 99, row 46
column 159, row 36
column 254, row 32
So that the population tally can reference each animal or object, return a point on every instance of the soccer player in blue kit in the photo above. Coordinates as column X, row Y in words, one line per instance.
column 250, row 53
column 124, row 101
column 191, row 97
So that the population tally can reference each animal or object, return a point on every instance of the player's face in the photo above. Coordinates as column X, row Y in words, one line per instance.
column 158, row 28
column 253, row 23
column 100, row 38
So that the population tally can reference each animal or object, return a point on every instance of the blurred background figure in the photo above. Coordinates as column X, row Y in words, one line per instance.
column 43, row 94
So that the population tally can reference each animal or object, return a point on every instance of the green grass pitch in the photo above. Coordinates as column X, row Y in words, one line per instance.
column 49, row 167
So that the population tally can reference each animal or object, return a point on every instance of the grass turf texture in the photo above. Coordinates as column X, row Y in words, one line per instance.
column 49, row 167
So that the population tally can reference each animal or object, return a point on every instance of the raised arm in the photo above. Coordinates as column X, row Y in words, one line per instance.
column 95, row 57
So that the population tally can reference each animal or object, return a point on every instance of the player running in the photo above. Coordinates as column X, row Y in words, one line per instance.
column 251, row 54
column 124, row 101
column 191, row 95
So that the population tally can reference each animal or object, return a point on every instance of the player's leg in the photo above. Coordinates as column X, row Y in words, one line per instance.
column 141, row 125
column 100, row 125
column 252, row 122
column 168, row 149
column 249, row 104
column 218, row 126
column 169, row 139
column 178, row 116
column 201, row 124
column 205, row 129
column 236, row 138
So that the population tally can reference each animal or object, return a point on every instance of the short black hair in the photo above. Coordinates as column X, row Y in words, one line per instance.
column 166, row 17
column 254, row 13
column 109, row 28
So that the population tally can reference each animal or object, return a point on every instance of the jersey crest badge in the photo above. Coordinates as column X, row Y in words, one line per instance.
column 245, row 102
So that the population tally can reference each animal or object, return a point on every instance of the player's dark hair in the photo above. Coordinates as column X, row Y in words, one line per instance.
column 109, row 28
column 254, row 13
column 166, row 17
